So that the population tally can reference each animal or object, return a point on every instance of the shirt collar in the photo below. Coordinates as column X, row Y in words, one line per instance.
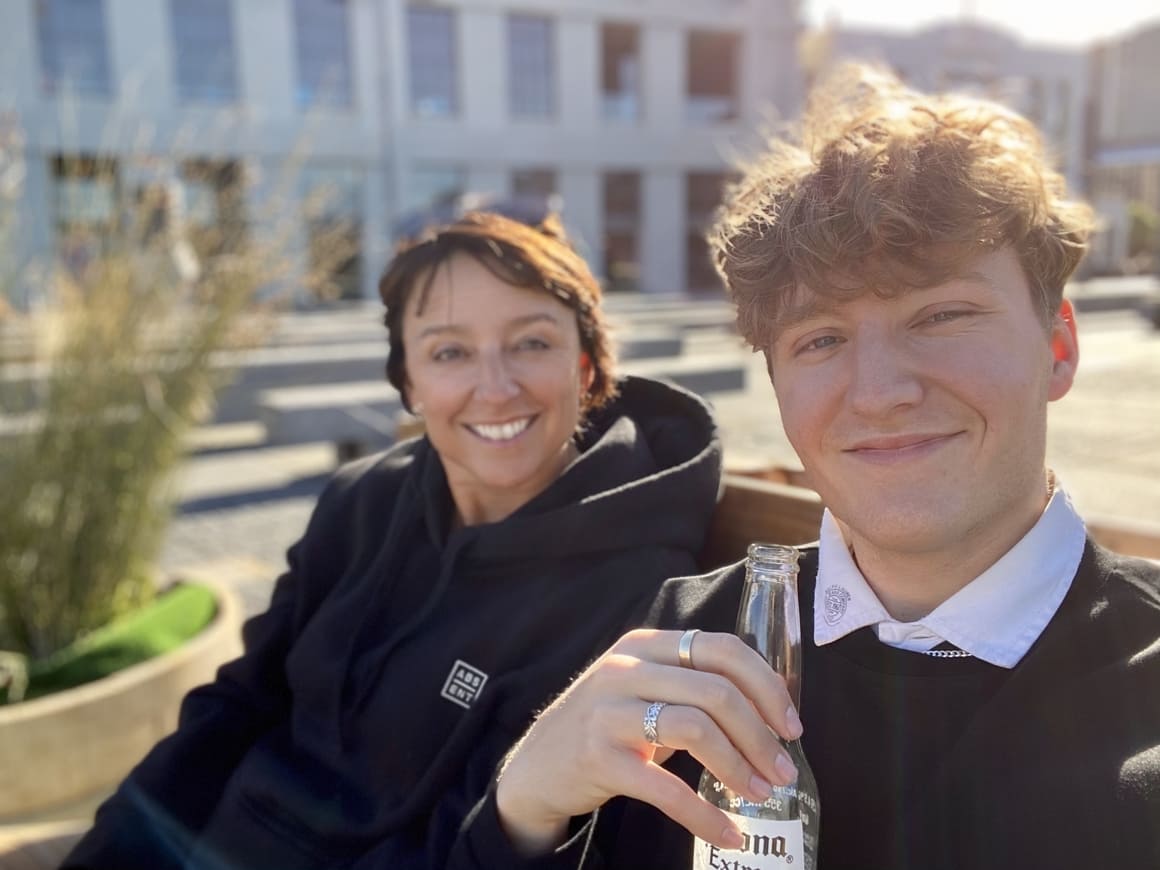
column 996, row 617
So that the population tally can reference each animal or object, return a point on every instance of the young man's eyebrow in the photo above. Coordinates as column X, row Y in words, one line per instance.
column 973, row 277
column 798, row 313
column 795, row 314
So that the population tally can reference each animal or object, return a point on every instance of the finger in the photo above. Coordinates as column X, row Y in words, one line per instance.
column 693, row 730
column 733, row 716
column 669, row 794
column 729, row 656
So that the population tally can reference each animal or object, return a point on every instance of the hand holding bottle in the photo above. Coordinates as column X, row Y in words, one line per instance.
column 782, row 830
column 590, row 746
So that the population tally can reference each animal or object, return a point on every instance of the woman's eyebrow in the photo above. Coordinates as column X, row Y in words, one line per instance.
column 442, row 328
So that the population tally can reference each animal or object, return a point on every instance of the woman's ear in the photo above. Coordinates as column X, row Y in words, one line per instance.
column 587, row 371
column 414, row 406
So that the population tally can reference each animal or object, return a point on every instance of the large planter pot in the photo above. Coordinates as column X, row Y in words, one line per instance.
column 74, row 746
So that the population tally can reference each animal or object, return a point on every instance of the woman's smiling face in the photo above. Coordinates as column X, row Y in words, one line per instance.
column 496, row 372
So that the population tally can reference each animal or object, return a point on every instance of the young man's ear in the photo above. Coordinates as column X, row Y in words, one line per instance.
column 1064, row 351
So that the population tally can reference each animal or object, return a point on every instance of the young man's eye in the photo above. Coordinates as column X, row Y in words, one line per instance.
column 946, row 316
column 822, row 342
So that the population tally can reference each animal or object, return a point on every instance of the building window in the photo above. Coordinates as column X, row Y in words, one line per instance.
column 703, row 192
column 434, row 74
column 86, row 195
column 621, row 228
column 74, row 55
column 431, row 186
column 203, row 50
column 620, row 72
column 533, row 184
column 1063, row 110
column 531, row 67
column 333, row 219
column 711, row 92
column 212, row 207
column 322, row 41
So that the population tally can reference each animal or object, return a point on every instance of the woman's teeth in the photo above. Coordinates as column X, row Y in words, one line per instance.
column 501, row 431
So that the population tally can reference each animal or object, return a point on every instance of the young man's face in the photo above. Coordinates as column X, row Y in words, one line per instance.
column 921, row 419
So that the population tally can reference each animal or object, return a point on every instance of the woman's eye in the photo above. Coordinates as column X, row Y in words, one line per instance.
column 447, row 354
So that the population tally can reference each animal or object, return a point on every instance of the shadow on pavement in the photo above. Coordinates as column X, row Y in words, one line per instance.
column 303, row 487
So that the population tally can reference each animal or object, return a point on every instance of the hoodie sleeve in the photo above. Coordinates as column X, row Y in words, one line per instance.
column 462, row 830
column 157, row 812
column 483, row 845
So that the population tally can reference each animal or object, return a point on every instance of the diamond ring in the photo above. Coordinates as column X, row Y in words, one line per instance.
column 650, row 721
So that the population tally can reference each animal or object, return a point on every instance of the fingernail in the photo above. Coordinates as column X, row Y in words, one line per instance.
column 731, row 838
column 793, row 723
column 759, row 788
column 785, row 768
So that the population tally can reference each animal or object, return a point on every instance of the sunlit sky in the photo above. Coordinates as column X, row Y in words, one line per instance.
column 1054, row 22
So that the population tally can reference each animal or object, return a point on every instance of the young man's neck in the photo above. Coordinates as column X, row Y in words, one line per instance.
column 912, row 584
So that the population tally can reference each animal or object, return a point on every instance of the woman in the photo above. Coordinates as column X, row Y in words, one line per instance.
column 444, row 591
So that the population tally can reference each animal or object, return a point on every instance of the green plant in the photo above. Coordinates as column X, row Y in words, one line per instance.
column 1143, row 229
column 128, row 370
column 172, row 618
column 118, row 361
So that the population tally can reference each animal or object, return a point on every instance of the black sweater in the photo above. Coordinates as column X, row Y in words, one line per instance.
column 399, row 660
column 929, row 763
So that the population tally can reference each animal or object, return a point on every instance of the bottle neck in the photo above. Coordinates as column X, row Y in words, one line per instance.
column 768, row 620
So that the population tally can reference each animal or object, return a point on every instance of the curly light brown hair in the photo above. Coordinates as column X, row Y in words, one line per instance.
column 536, row 257
column 885, row 189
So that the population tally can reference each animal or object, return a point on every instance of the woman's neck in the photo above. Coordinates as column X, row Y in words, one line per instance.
column 475, row 505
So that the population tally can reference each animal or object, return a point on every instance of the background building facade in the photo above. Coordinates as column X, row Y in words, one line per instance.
column 1049, row 86
column 342, row 116
column 354, row 112
column 1124, row 170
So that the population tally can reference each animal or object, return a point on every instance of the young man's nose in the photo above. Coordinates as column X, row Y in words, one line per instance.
column 882, row 378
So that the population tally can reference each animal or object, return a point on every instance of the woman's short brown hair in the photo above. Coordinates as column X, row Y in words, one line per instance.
column 538, row 258
column 887, row 189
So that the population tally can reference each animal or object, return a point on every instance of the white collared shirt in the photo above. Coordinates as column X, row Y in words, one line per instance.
column 996, row 617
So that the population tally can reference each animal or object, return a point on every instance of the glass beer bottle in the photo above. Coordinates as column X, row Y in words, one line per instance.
column 783, row 830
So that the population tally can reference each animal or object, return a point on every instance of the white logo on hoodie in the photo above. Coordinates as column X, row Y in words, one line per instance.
column 463, row 684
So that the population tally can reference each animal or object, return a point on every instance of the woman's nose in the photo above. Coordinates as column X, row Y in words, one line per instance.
column 496, row 380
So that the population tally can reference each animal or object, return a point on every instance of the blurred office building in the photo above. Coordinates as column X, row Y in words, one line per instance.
column 1124, row 168
column 1045, row 84
column 354, row 113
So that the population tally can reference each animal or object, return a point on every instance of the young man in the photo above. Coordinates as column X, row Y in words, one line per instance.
column 981, row 680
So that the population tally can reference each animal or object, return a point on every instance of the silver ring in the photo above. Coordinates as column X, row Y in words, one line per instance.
column 650, row 721
column 685, row 648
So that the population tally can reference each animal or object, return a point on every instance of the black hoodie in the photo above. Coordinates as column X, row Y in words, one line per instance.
column 400, row 659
